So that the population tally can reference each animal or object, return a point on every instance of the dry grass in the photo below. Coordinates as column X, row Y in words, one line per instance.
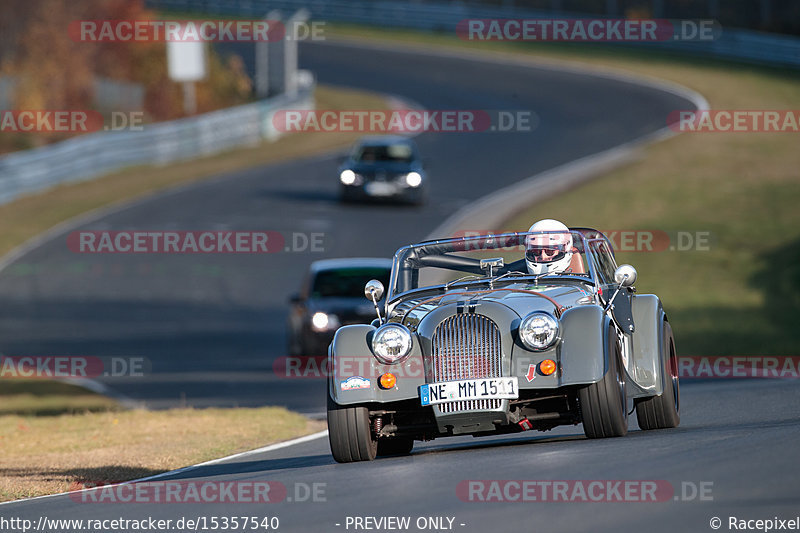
column 46, row 455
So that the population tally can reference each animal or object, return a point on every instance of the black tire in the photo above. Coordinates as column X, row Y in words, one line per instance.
column 604, row 404
column 663, row 411
column 350, row 433
column 395, row 446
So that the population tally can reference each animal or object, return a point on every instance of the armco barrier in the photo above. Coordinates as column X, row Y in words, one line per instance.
column 88, row 156
column 443, row 16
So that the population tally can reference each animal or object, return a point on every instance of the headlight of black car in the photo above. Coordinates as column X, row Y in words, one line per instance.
column 391, row 343
column 324, row 321
column 413, row 179
column 539, row 331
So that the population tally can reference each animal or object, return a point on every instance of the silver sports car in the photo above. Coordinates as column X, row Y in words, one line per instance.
column 469, row 341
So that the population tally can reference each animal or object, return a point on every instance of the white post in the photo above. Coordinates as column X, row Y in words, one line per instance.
column 262, row 77
column 189, row 98
column 290, row 50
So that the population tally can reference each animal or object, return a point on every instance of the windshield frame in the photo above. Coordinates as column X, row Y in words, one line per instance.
column 358, row 150
column 581, row 239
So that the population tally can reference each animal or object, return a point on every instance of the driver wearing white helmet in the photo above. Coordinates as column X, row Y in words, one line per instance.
column 551, row 252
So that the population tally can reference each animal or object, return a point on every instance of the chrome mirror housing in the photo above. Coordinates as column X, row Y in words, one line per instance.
column 373, row 290
column 625, row 275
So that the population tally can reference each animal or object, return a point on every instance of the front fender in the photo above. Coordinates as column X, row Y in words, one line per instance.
column 353, row 370
column 648, row 347
column 584, row 358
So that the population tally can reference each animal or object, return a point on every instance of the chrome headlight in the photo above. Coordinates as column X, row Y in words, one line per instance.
column 539, row 331
column 391, row 343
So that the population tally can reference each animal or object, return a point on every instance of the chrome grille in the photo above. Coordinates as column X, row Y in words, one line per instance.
column 470, row 405
column 466, row 346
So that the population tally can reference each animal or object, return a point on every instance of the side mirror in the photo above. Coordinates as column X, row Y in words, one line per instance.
column 488, row 265
column 625, row 275
column 295, row 299
column 373, row 290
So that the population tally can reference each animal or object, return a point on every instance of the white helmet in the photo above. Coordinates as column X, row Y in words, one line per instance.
column 548, row 253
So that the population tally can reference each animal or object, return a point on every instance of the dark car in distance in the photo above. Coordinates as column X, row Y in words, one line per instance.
column 332, row 295
column 384, row 167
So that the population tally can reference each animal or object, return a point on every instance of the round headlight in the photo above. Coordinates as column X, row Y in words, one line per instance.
column 348, row 177
column 539, row 331
column 322, row 321
column 391, row 343
column 413, row 179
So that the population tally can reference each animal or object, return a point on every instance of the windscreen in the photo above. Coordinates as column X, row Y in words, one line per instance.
column 346, row 282
column 453, row 261
column 398, row 152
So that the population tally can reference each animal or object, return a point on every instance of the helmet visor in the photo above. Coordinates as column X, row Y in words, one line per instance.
column 546, row 253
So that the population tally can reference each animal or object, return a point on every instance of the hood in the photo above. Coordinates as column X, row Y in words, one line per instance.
column 521, row 303
column 390, row 167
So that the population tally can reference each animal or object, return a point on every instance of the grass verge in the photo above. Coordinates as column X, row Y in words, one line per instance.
column 41, row 397
column 94, row 441
column 741, row 296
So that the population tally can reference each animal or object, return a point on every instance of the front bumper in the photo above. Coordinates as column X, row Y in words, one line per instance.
column 393, row 193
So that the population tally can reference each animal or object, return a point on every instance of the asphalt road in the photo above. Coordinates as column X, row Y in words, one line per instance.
column 209, row 327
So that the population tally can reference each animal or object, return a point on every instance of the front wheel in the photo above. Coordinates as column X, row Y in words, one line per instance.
column 350, row 434
column 663, row 411
column 604, row 404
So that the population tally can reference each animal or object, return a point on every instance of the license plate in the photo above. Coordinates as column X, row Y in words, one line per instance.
column 469, row 389
column 379, row 188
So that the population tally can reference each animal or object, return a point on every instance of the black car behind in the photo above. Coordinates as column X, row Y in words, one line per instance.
column 386, row 167
column 332, row 295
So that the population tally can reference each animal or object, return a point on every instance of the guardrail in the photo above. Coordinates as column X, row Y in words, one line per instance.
column 736, row 44
column 89, row 156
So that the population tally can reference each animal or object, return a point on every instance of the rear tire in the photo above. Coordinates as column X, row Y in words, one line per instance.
column 350, row 433
column 663, row 411
column 395, row 446
column 604, row 404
